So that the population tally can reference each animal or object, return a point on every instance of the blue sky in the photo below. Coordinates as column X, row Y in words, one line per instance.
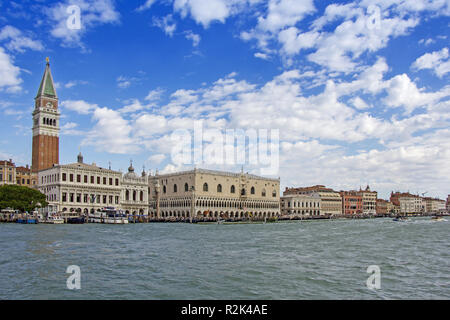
column 359, row 90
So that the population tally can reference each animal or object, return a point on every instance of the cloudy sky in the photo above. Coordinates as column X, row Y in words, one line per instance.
column 359, row 90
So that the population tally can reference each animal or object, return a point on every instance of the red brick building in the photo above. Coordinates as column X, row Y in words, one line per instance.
column 351, row 202
column 45, row 124
column 382, row 206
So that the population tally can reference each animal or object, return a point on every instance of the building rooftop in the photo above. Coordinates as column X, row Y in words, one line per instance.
column 217, row 172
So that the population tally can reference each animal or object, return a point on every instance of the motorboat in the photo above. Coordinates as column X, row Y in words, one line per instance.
column 108, row 215
column 51, row 219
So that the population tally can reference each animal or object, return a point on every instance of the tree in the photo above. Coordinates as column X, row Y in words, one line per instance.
column 21, row 198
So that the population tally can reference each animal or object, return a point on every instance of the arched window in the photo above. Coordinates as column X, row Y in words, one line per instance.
column 243, row 192
column 252, row 190
column 43, row 120
column 233, row 189
column 274, row 193
column 134, row 195
column 186, row 187
column 263, row 192
column 219, row 188
column 175, row 188
column 141, row 196
column 164, row 189
column 205, row 187
column 127, row 195
column 54, row 122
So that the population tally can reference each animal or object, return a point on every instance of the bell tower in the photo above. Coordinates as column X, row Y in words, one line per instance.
column 45, row 124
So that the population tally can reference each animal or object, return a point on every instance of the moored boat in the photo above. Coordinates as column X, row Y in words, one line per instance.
column 108, row 215
column 54, row 220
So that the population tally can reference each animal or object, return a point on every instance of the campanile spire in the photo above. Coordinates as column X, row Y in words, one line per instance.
column 45, row 124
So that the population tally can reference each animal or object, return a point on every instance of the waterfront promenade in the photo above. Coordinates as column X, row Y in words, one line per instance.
column 12, row 218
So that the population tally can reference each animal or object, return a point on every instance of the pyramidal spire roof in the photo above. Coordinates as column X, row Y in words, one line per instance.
column 47, row 88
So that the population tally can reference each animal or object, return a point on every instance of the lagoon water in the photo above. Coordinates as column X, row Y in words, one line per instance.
column 286, row 260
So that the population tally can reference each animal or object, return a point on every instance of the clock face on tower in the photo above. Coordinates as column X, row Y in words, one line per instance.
column 49, row 105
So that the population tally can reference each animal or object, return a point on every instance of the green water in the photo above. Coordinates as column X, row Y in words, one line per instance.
column 291, row 260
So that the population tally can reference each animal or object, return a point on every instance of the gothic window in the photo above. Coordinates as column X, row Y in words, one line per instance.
column 219, row 188
column 263, row 192
column 233, row 189
column 164, row 189
column 274, row 193
column 243, row 192
column 252, row 190
column 186, row 187
column 175, row 188
column 141, row 196
column 127, row 195
column 134, row 195
column 205, row 187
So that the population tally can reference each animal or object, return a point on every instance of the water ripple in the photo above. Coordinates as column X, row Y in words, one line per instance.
column 295, row 260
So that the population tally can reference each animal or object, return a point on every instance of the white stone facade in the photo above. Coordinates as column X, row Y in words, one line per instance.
column 213, row 194
column 301, row 205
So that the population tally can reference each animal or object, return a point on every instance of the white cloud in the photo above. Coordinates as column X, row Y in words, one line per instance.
column 154, row 95
column 438, row 61
column 79, row 106
column 17, row 41
column 195, row 38
column 323, row 131
column 262, row 55
column 402, row 91
column 157, row 158
column 146, row 5
column 283, row 13
column 74, row 83
column 123, row 82
column 69, row 129
column 111, row 133
column 9, row 74
column 206, row 12
column 167, row 24
column 427, row 41
column 203, row 12
column 359, row 103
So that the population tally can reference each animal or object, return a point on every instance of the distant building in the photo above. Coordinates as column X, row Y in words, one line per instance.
column 407, row 202
column 392, row 208
column 331, row 202
column 7, row 172
column 301, row 205
column 351, row 202
column 369, row 201
column 25, row 177
column 134, row 194
column 448, row 203
column 201, row 193
column 382, row 207
column 434, row 205
column 80, row 187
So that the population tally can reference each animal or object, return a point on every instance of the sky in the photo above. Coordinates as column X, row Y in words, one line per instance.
column 358, row 91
